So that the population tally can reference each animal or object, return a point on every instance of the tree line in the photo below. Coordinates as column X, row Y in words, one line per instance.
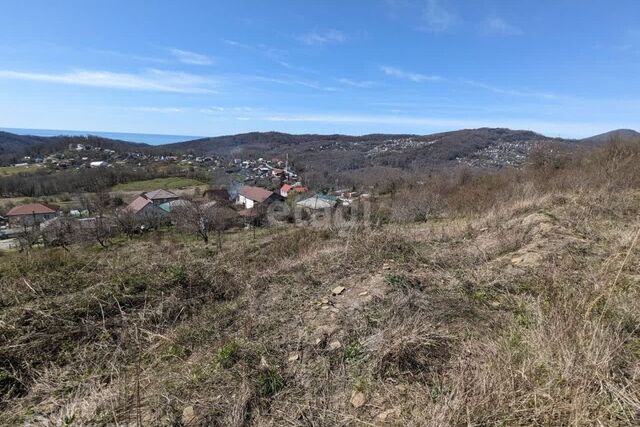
column 83, row 180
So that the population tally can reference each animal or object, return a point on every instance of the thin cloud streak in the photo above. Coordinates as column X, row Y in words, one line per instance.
column 437, row 18
column 274, row 54
column 551, row 128
column 192, row 58
column 323, row 37
column 237, row 44
column 362, row 84
column 498, row 26
column 210, row 110
column 407, row 75
column 153, row 80
column 420, row 78
column 511, row 92
column 126, row 55
column 292, row 82
column 164, row 110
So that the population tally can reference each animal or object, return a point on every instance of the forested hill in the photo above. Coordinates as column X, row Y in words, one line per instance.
column 14, row 147
column 484, row 147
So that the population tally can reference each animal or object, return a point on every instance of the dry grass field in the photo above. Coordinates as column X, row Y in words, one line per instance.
column 523, row 310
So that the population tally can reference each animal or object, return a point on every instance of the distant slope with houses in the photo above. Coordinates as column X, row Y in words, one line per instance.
column 322, row 158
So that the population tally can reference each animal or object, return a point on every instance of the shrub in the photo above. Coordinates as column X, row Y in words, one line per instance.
column 401, row 282
column 228, row 355
column 412, row 350
column 269, row 382
column 354, row 352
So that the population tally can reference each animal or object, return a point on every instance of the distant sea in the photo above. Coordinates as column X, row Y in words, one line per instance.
column 146, row 138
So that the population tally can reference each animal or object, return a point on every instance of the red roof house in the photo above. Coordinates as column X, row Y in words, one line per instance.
column 250, row 196
column 287, row 188
column 142, row 207
column 30, row 214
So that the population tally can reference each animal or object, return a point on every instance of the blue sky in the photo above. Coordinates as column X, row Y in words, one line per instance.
column 561, row 67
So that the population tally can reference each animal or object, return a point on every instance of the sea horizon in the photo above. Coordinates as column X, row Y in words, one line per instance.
column 145, row 138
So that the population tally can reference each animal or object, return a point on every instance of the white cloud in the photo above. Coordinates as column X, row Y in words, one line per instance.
column 273, row 54
column 431, row 124
column 407, row 75
column 511, row 92
column 152, row 80
column 496, row 25
column 237, row 44
column 187, row 57
column 292, row 82
column 437, row 18
column 212, row 110
column 126, row 55
column 313, row 85
column 323, row 37
column 363, row 84
column 369, row 119
column 159, row 109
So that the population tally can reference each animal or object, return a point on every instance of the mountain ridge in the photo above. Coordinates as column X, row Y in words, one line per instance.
column 623, row 134
column 481, row 147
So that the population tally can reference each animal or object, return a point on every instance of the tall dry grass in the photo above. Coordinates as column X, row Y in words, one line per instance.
column 441, row 323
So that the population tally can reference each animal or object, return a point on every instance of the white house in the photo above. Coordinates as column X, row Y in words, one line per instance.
column 249, row 196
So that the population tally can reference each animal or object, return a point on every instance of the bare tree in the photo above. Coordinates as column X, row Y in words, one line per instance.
column 101, row 230
column 28, row 235
column 127, row 222
column 223, row 218
column 202, row 219
column 60, row 232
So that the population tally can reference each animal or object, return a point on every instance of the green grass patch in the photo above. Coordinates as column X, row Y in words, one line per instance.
column 354, row 352
column 401, row 282
column 269, row 382
column 228, row 354
column 154, row 184
column 14, row 170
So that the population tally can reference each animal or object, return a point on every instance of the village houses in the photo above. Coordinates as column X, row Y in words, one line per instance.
column 249, row 196
column 30, row 214
column 153, row 204
column 296, row 188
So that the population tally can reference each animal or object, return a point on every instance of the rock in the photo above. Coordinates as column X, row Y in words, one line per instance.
column 401, row 388
column 334, row 345
column 363, row 293
column 324, row 307
column 357, row 399
column 338, row 290
column 293, row 357
column 517, row 260
column 188, row 414
column 263, row 362
column 382, row 416
column 386, row 266
column 318, row 341
column 325, row 301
